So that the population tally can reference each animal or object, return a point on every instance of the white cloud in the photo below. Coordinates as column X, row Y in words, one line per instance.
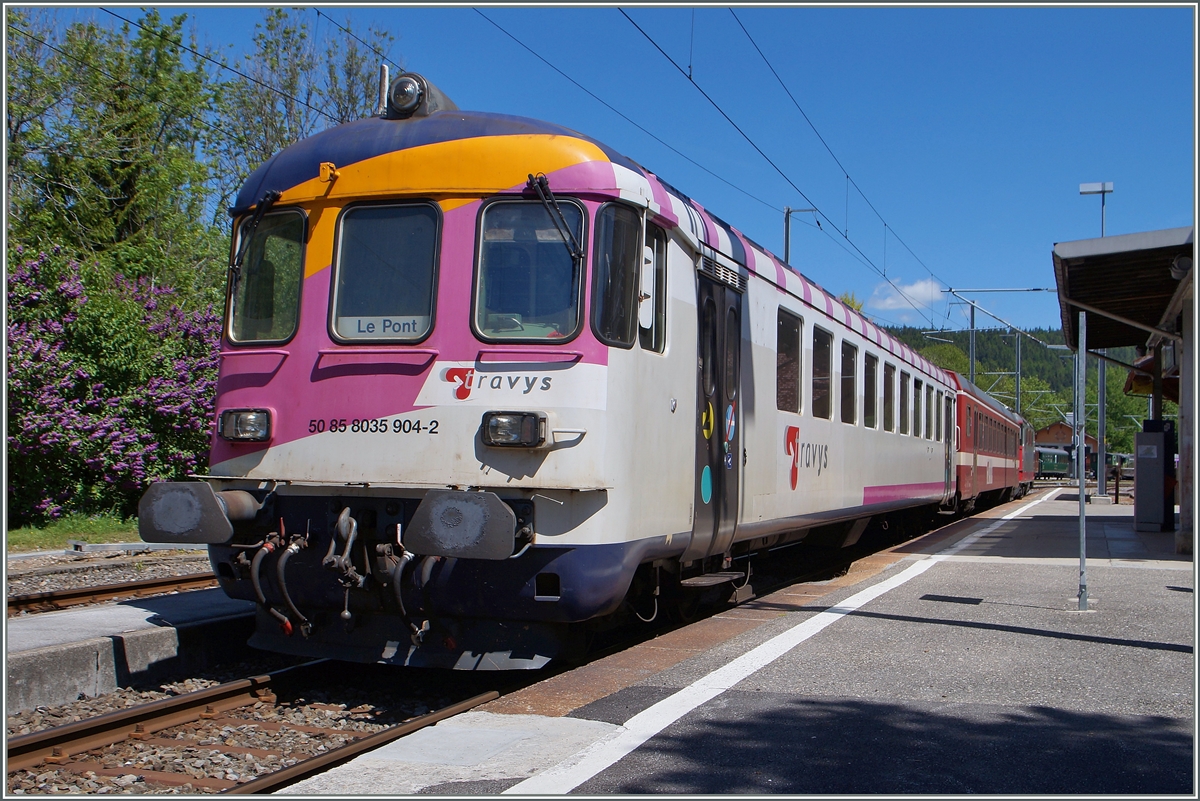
column 924, row 294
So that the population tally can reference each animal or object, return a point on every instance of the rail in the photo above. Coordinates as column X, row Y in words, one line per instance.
column 62, row 599
column 65, row 747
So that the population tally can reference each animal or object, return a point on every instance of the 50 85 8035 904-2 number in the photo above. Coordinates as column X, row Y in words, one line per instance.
column 378, row 426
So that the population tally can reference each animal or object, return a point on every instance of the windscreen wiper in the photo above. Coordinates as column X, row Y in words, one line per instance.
column 541, row 185
column 235, row 267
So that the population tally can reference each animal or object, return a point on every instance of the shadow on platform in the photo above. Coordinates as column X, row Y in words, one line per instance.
column 844, row 746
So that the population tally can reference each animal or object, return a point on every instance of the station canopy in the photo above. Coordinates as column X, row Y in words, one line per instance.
column 1132, row 278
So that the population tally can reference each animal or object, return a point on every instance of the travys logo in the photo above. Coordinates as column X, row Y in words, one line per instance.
column 804, row 454
column 468, row 383
column 468, row 380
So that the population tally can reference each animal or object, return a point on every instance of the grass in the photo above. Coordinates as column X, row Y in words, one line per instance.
column 54, row 536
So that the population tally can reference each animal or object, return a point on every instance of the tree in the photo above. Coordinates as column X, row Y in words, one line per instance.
column 851, row 301
column 285, row 91
column 947, row 357
column 106, row 148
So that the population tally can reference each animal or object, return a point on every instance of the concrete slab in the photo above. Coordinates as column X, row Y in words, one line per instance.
column 56, row 657
column 44, row 629
column 469, row 754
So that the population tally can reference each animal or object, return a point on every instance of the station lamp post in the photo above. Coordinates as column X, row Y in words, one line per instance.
column 1102, row 188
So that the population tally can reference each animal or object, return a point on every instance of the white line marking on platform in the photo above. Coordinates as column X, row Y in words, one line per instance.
column 575, row 770
column 971, row 539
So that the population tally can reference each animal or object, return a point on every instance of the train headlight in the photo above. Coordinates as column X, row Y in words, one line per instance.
column 513, row 429
column 404, row 96
column 246, row 425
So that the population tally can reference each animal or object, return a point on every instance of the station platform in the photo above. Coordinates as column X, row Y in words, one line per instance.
column 55, row 657
column 956, row 663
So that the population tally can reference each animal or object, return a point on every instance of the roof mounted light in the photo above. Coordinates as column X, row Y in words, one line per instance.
column 405, row 95
column 411, row 95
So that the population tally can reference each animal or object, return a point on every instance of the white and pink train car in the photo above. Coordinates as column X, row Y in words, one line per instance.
column 484, row 380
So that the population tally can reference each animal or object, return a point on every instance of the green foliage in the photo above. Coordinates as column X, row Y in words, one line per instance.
column 54, row 536
column 292, row 89
column 947, row 357
column 108, row 132
column 123, row 147
column 1047, row 378
column 851, row 301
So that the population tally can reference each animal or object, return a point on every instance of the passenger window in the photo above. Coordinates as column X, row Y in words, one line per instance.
column 652, row 304
column 787, row 362
column 527, row 286
column 916, row 423
column 930, row 411
column 385, row 267
column 822, row 403
column 265, row 303
column 870, row 390
column 938, row 416
column 849, row 382
column 904, row 402
column 615, row 274
column 889, row 397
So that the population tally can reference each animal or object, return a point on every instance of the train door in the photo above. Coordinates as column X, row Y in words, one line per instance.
column 973, row 436
column 718, row 438
column 948, row 414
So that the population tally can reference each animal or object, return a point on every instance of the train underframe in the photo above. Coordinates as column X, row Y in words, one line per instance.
column 367, row 578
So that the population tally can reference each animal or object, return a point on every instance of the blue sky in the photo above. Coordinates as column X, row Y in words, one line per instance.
column 967, row 129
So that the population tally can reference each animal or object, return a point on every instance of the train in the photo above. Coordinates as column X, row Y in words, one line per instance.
column 487, row 385
column 1053, row 463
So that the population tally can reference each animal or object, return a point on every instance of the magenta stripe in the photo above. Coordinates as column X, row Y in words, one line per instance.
column 899, row 492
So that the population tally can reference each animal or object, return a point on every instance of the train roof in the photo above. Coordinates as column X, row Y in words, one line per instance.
column 495, row 153
column 986, row 399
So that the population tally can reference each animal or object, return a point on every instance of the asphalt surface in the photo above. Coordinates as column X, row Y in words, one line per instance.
column 978, row 675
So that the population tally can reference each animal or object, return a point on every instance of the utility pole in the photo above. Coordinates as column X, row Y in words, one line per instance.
column 788, row 211
column 1101, row 426
column 1017, row 409
column 956, row 293
column 1101, row 188
column 1081, row 453
column 972, row 343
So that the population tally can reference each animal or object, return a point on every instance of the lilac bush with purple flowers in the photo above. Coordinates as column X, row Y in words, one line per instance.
column 110, row 387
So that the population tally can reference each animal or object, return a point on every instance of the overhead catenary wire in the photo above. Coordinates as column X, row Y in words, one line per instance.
column 224, row 66
column 774, row 166
column 845, row 172
column 370, row 47
column 609, row 106
column 185, row 114
column 854, row 255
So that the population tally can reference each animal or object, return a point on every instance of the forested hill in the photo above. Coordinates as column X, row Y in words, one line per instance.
column 995, row 352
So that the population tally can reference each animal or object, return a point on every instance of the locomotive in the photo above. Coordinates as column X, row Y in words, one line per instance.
column 485, row 381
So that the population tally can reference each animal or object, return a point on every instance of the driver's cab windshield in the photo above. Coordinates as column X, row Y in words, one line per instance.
column 528, row 282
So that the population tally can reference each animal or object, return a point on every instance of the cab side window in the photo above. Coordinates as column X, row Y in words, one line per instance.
column 615, row 275
column 652, row 302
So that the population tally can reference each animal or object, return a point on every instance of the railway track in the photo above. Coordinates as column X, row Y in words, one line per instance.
column 201, row 722
column 63, row 599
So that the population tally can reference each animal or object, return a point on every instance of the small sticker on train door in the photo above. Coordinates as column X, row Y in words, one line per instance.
column 706, row 485
column 730, row 422
column 729, row 461
column 708, row 421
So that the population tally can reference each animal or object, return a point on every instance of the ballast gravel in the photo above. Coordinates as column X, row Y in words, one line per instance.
column 62, row 571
